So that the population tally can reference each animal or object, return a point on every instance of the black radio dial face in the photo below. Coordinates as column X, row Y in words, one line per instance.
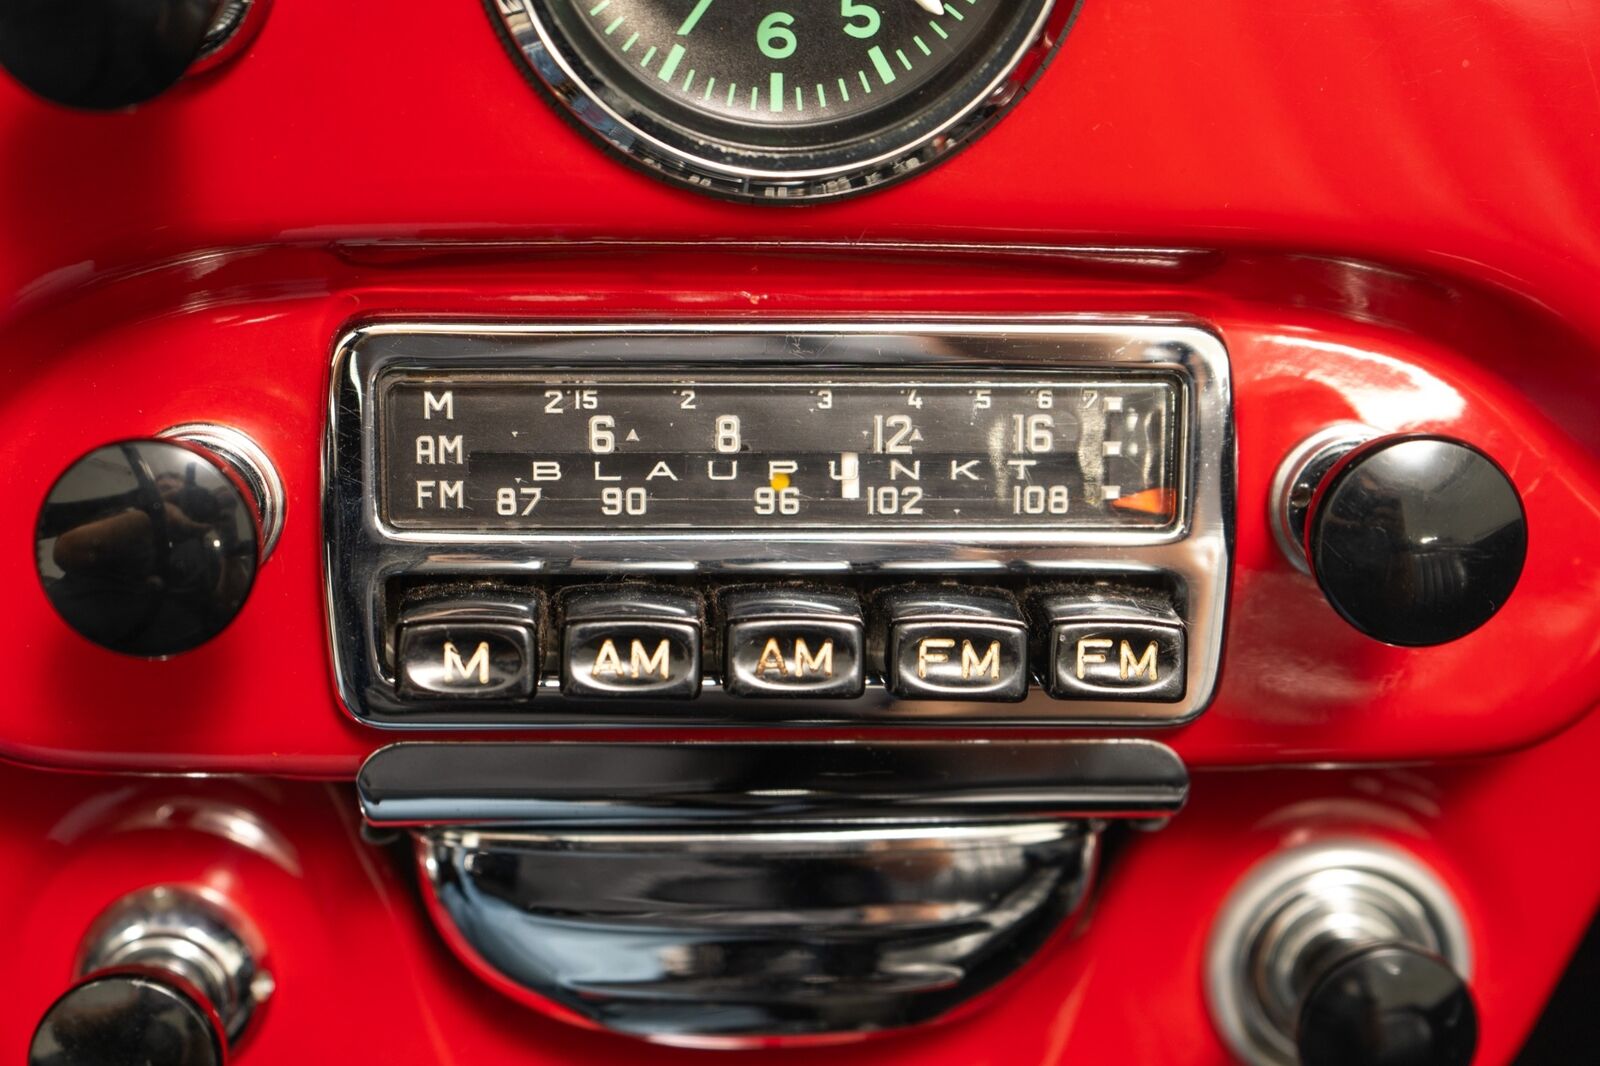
column 511, row 453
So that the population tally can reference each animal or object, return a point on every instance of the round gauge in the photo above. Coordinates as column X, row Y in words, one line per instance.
column 785, row 99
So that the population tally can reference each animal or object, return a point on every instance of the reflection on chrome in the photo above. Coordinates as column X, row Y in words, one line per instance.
column 709, row 937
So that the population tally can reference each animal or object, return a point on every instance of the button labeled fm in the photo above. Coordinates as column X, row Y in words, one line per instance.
column 937, row 650
column 1117, row 660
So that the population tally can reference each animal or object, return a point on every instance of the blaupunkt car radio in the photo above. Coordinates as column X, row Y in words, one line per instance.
column 982, row 522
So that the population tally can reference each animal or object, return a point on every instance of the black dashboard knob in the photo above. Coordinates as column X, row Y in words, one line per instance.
column 167, row 977
column 1387, row 1005
column 150, row 547
column 127, row 1019
column 102, row 55
column 1416, row 541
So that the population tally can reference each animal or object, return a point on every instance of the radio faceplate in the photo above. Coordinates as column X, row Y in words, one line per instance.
column 492, row 492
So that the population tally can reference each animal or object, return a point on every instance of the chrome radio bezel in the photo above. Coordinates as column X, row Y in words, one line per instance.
column 362, row 554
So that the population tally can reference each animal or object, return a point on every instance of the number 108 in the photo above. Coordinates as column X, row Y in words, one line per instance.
column 1039, row 499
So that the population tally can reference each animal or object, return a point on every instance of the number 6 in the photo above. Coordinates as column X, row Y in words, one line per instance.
column 602, row 441
column 776, row 39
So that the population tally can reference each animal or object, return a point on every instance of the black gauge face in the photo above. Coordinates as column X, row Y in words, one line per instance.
column 789, row 62
column 814, row 97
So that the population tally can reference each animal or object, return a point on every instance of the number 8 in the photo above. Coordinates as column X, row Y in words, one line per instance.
column 728, row 433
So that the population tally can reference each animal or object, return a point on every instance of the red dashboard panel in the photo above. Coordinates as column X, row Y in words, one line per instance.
column 1374, row 131
column 1298, row 685
column 347, row 933
column 1390, row 215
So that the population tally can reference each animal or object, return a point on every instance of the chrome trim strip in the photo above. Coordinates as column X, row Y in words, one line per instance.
column 361, row 555
column 1164, row 258
column 805, row 783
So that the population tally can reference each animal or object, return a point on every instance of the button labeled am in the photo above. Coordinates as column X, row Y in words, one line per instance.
column 634, row 644
column 813, row 658
column 642, row 660
column 641, row 665
column 789, row 643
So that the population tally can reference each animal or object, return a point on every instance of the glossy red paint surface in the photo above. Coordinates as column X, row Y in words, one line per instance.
column 1394, row 217
column 362, row 977
column 1298, row 684
column 1359, row 127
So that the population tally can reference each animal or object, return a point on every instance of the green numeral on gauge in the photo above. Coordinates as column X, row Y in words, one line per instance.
column 776, row 39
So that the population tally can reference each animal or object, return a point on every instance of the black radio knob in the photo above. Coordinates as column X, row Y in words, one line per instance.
column 101, row 55
column 150, row 547
column 1387, row 1005
column 132, row 1018
column 1414, row 540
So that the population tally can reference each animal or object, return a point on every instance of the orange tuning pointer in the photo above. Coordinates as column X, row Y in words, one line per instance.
column 1150, row 501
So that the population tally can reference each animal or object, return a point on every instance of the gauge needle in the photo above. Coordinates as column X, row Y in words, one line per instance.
column 933, row 7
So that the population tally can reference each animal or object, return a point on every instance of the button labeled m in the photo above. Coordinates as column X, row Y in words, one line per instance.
column 478, row 662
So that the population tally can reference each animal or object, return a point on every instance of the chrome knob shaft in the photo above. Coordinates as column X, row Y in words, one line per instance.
column 1342, row 953
column 165, row 977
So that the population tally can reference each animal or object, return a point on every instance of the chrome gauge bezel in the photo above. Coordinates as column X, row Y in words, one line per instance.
column 774, row 175
column 363, row 554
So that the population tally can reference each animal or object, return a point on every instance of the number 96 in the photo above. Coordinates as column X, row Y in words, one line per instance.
column 777, row 501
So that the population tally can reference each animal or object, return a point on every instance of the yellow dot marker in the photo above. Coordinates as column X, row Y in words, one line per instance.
column 780, row 482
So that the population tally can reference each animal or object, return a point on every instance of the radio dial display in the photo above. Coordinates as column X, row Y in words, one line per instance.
column 521, row 453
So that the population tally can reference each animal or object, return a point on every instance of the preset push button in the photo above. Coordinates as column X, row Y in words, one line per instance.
column 943, row 644
column 631, row 643
column 1102, row 645
column 468, row 650
column 793, row 643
